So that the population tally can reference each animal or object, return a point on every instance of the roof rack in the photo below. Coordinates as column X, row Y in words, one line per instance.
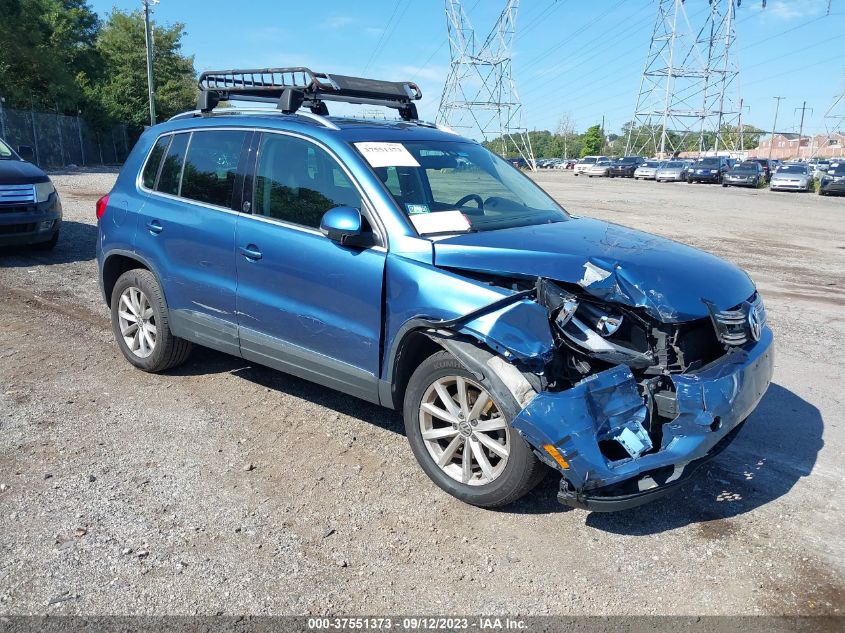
column 292, row 88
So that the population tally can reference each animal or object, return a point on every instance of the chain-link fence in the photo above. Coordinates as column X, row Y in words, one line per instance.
column 58, row 140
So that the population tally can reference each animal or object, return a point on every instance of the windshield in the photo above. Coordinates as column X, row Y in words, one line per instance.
column 674, row 164
column 747, row 167
column 588, row 161
column 839, row 169
column 650, row 163
column 455, row 187
column 5, row 151
column 627, row 160
column 792, row 169
column 707, row 162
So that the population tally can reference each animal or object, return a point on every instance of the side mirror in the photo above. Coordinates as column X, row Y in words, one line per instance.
column 25, row 152
column 344, row 225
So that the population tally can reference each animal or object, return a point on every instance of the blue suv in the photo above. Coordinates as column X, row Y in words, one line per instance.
column 405, row 265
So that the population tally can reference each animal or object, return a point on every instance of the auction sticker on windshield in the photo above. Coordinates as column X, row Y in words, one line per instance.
column 387, row 155
column 440, row 222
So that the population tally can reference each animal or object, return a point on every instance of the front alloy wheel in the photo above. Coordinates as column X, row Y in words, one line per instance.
column 458, row 426
column 137, row 322
column 464, row 431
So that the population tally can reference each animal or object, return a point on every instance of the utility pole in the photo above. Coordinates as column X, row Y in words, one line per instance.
column 148, row 35
column 774, row 126
column 803, row 109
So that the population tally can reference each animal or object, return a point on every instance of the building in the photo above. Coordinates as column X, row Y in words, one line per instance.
column 788, row 145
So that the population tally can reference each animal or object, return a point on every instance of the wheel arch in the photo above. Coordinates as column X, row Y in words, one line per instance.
column 115, row 264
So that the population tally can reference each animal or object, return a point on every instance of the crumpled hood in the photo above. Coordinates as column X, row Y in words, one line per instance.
column 17, row 172
column 669, row 280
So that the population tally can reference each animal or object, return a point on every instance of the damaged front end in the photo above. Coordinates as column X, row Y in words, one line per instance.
column 625, row 405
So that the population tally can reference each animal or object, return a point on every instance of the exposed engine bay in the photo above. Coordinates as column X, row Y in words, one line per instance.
column 621, row 399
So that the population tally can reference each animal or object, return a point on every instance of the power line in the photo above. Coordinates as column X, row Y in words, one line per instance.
column 386, row 34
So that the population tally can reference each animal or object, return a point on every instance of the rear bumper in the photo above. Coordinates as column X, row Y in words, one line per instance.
column 710, row 405
column 32, row 224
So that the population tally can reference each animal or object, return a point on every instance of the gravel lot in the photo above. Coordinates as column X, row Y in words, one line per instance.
column 223, row 487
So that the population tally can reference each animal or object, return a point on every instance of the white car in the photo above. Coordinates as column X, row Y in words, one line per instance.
column 647, row 170
column 599, row 168
column 588, row 161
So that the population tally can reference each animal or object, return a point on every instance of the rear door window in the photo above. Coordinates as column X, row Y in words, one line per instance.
column 211, row 166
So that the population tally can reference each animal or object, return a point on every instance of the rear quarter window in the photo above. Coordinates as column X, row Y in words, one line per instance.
column 154, row 161
column 171, row 167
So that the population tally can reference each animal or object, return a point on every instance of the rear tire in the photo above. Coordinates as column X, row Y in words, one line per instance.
column 140, row 322
column 521, row 470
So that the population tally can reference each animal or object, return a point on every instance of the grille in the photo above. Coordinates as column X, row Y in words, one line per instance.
column 15, row 229
column 17, row 194
column 733, row 327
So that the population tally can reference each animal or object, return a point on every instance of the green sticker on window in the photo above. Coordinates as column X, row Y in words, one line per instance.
column 416, row 209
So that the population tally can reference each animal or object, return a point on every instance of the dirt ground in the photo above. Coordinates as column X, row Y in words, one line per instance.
column 223, row 487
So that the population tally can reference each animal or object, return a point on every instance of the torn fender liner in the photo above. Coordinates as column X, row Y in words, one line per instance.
column 710, row 402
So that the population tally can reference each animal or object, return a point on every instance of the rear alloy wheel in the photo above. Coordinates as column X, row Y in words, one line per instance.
column 461, row 435
column 137, row 322
column 140, row 321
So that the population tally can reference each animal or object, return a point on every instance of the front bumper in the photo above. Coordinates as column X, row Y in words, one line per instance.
column 833, row 187
column 22, row 225
column 788, row 186
column 676, row 177
column 704, row 177
column 710, row 405
column 739, row 182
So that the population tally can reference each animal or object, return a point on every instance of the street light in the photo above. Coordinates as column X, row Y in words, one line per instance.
column 148, row 36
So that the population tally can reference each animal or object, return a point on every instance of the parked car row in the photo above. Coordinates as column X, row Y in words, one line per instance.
column 754, row 172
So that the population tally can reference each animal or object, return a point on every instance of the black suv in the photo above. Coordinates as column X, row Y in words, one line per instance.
column 709, row 169
column 626, row 166
column 30, row 209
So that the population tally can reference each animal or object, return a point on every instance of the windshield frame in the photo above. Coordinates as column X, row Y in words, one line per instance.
column 501, row 164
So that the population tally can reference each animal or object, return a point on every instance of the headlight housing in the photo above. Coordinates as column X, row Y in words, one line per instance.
column 43, row 190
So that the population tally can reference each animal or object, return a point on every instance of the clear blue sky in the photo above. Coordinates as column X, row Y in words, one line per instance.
column 591, row 53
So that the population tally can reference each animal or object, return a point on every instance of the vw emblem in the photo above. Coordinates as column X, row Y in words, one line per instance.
column 754, row 323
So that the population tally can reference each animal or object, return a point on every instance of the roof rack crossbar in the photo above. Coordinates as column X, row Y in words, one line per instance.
column 296, row 86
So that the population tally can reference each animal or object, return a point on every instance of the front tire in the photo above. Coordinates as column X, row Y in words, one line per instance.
column 140, row 322
column 462, row 438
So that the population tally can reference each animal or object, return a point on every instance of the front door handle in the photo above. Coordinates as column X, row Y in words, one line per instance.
column 251, row 252
column 154, row 227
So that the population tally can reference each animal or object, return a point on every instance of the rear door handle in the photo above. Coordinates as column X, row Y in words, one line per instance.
column 155, row 227
column 251, row 252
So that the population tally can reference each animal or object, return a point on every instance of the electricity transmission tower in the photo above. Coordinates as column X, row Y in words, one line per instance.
column 480, row 93
column 688, row 96
column 835, row 116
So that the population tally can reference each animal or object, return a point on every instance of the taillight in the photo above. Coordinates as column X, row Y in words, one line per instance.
column 102, row 203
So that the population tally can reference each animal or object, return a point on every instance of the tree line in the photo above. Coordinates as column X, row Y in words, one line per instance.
column 58, row 55
column 566, row 142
